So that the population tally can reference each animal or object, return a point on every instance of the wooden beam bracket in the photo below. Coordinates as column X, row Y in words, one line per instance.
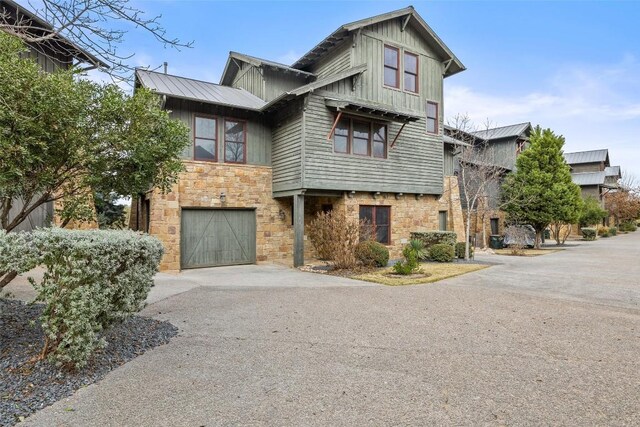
column 406, row 21
column 333, row 128
column 397, row 135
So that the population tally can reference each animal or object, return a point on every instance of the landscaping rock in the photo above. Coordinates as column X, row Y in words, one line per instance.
column 26, row 387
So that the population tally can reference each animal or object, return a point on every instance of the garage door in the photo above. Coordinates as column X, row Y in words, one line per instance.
column 214, row 237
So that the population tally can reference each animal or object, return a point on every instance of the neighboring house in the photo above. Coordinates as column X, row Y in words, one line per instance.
column 592, row 171
column 503, row 145
column 52, row 54
column 353, row 127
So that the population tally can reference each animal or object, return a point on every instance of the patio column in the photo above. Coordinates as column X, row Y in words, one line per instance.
column 298, row 230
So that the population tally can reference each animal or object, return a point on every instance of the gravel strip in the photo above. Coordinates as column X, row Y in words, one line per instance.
column 28, row 387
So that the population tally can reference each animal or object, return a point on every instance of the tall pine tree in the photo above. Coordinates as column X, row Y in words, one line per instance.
column 540, row 191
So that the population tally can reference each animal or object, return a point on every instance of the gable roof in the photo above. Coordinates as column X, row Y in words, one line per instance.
column 588, row 178
column 197, row 90
column 38, row 26
column 339, row 35
column 231, row 68
column 510, row 131
column 613, row 171
column 592, row 156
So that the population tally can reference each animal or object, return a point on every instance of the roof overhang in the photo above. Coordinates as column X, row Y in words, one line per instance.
column 59, row 43
column 232, row 67
column 370, row 110
column 452, row 64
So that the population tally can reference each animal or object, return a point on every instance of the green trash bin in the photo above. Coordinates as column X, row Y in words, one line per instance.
column 496, row 241
column 547, row 234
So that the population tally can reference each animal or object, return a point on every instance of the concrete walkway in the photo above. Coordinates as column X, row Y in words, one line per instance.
column 551, row 340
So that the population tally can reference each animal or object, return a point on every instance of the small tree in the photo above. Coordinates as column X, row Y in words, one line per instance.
column 63, row 138
column 591, row 213
column 541, row 191
column 623, row 204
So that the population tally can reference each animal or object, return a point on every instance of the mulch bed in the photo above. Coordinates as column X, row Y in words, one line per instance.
column 26, row 387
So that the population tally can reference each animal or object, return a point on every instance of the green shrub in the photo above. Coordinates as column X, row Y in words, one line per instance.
column 588, row 233
column 441, row 252
column 628, row 226
column 459, row 250
column 430, row 238
column 93, row 279
column 613, row 231
column 372, row 253
column 602, row 231
column 410, row 263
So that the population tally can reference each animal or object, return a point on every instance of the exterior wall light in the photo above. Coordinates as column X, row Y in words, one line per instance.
column 223, row 197
column 282, row 215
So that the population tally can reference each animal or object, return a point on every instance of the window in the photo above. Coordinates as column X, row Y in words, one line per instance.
column 363, row 138
column 204, row 138
column 379, row 219
column 379, row 141
column 392, row 67
column 432, row 117
column 410, row 72
column 235, row 141
column 442, row 220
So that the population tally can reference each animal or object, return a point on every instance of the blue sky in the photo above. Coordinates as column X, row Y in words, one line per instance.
column 571, row 66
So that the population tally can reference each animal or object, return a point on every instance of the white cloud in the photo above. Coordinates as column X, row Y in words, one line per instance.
column 593, row 106
column 288, row 58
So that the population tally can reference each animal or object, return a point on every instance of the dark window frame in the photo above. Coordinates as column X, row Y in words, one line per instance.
column 369, row 136
column 244, row 140
column 215, row 139
column 444, row 214
column 372, row 126
column 416, row 75
column 436, row 118
column 385, row 66
column 373, row 224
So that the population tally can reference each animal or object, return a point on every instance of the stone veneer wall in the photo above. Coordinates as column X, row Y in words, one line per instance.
column 245, row 186
column 249, row 186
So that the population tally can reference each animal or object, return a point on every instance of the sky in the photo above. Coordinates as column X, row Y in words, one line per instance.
column 570, row 66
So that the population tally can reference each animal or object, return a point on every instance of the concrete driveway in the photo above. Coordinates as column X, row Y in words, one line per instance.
column 552, row 340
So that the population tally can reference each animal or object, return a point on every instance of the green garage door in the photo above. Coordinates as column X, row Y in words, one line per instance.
column 214, row 237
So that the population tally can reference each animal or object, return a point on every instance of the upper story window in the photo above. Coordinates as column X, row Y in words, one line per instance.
column 392, row 67
column 359, row 137
column 204, row 138
column 235, row 141
column 432, row 117
column 410, row 72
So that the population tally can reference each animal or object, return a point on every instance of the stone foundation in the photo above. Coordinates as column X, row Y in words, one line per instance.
column 249, row 186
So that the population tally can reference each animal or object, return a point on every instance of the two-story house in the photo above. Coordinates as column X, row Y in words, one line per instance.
column 593, row 172
column 51, row 54
column 354, row 126
column 498, row 147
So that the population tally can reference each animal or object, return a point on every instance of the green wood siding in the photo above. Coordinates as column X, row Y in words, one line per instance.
column 277, row 83
column 414, row 165
column 337, row 60
column 48, row 60
column 214, row 237
column 258, row 130
column 250, row 78
column 287, row 149
column 449, row 160
column 503, row 153
column 587, row 167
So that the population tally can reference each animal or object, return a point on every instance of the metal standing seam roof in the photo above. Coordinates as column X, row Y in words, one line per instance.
column 588, row 178
column 592, row 156
column 197, row 90
column 612, row 171
column 503, row 131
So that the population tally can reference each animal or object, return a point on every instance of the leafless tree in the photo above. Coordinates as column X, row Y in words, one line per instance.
column 479, row 175
column 97, row 27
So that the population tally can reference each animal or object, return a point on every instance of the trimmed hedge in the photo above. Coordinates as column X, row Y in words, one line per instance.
column 93, row 279
column 441, row 252
column 459, row 250
column 603, row 232
column 627, row 227
column 430, row 238
column 372, row 253
column 613, row 231
column 588, row 233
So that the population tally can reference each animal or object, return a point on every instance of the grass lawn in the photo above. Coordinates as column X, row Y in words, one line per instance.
column 431, row 272
column 526, row 252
